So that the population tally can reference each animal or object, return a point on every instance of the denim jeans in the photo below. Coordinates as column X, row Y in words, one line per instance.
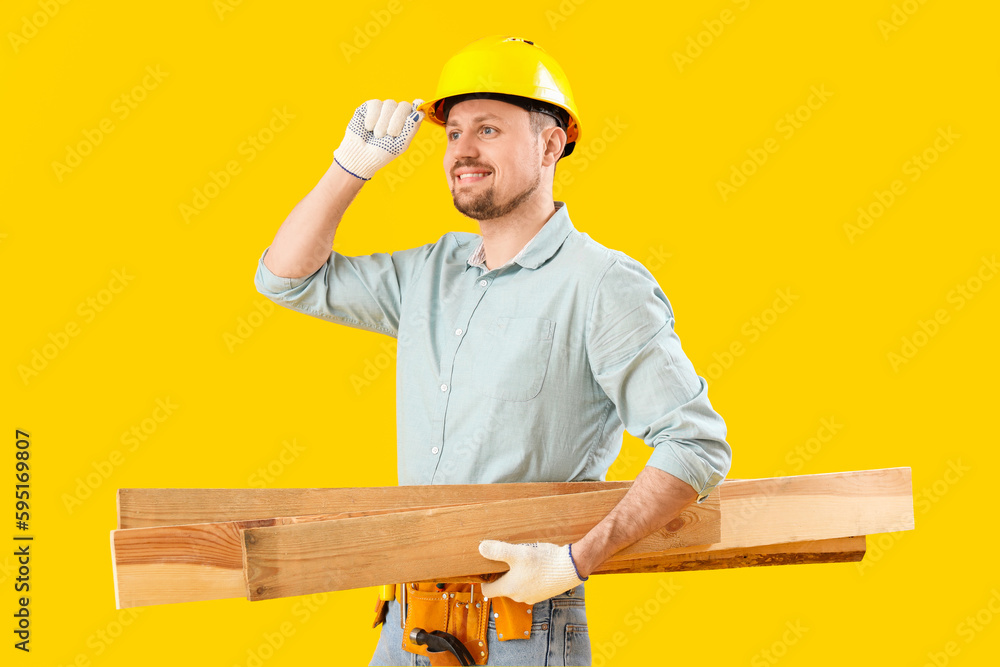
column 558, row 637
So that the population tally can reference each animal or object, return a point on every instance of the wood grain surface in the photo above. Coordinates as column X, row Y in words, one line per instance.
column 421, row 545
column 141, row 508
column 327, row 556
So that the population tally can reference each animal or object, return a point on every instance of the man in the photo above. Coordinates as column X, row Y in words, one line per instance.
column 523, row 353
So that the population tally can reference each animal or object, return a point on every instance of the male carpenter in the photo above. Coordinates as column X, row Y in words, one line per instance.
column 523, row 352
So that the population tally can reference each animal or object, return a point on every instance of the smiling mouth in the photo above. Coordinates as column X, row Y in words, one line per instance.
column 473, row 177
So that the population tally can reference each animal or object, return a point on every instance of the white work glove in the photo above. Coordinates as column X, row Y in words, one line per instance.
column 537, row 571
column 378, row 132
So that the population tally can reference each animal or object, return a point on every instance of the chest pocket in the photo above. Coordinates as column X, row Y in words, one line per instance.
column 514, row 358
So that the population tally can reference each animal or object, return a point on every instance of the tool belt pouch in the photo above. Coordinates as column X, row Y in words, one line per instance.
column 512, row 618
column 381, row 611
column 453, row 609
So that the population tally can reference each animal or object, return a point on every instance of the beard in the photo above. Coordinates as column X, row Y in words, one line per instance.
column 486, row 206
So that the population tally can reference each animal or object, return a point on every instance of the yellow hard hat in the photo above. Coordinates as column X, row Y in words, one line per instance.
column 507, row 66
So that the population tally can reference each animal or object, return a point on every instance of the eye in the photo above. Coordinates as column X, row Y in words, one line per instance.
column 489, row 130
column 452, row 135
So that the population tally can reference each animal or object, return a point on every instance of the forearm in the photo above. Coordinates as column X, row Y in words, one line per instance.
column 304, row 241
column 654, row 500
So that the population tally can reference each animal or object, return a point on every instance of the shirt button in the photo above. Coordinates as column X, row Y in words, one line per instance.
column 482, row 283
column 444, row 387
column 434, row 450
column 458, row 332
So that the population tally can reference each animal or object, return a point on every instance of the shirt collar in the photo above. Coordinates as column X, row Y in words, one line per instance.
column 540, row 248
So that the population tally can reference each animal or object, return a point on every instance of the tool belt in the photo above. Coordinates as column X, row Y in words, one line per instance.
column 460, row 610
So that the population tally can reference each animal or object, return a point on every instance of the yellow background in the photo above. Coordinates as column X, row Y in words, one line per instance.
column 659, row 134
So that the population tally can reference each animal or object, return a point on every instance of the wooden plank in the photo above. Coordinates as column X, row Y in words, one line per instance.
column 175, row 568
column 838, row 550
column 420, row 545
column 799, row 508
column 327, row 556
column 142, row 508
column 162, row 582
column 190, row 562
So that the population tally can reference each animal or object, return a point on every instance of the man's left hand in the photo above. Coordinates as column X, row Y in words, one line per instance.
column 537, row 571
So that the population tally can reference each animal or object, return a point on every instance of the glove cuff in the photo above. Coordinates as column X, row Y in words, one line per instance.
column 355, row 160
column 559, row 569
column 575, row 568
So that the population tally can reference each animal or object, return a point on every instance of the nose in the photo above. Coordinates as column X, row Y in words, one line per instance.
column 463, row 147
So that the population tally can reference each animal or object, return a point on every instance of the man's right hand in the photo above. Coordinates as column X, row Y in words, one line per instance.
column 378, row 132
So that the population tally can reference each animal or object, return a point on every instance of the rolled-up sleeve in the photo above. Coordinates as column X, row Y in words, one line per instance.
column 364, row 292
column 637, row 359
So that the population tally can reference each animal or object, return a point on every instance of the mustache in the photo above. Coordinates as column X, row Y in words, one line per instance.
column 461, row 165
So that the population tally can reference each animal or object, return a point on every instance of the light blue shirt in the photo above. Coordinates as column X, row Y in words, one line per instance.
column 529, row 372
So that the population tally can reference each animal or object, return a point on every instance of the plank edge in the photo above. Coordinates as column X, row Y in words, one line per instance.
column 114, row 572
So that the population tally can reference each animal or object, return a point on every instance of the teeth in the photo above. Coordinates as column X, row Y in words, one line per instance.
column 478, row 173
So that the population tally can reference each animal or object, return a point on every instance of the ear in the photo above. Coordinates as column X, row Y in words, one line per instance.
column 553, row 143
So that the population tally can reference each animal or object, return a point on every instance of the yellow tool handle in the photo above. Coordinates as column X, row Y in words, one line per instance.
column 387, row 592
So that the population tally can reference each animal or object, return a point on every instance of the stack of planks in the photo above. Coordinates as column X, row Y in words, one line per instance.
column 183, row 545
